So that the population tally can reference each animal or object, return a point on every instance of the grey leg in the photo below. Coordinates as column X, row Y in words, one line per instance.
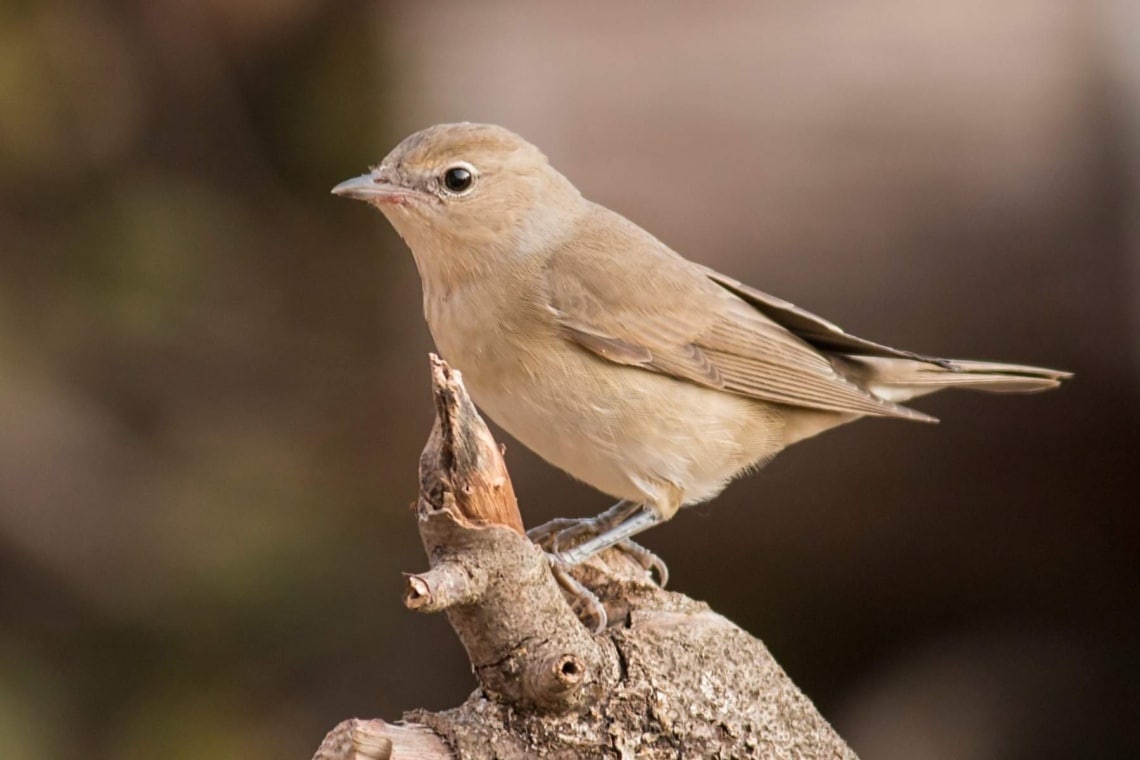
column 594, row 534
column 643, row 519
column 563, row 529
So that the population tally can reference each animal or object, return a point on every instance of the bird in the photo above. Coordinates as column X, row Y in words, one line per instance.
column 653, row 378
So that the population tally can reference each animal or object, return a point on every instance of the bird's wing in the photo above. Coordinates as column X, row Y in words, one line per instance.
column 809, row 327
column 673, row 319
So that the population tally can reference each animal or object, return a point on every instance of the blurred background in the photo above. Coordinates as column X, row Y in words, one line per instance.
column 214, row 387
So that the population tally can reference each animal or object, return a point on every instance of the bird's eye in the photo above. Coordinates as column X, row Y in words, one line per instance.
column 458, row 179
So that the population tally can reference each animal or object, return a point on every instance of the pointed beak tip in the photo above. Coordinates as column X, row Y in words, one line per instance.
column 372, row 190
column 352, row 187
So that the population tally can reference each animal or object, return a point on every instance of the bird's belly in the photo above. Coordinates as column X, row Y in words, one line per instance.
column 628, row 432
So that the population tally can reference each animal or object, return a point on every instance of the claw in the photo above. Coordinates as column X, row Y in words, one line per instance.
column 582, row 600
column 652, row 564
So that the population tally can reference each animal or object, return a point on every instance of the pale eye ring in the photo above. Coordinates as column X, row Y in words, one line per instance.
column 458, row 179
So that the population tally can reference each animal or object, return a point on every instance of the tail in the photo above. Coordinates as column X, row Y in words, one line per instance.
column 899, row 380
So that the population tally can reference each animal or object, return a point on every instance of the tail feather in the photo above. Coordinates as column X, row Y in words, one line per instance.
column 899, row 380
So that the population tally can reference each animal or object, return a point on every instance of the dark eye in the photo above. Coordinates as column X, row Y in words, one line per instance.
column 458, row 179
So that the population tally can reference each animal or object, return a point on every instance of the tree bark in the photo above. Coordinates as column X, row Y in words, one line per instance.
column 667, row 678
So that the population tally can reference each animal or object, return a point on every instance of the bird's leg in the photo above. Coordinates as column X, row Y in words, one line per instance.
column 555, row 534
column 641, row 519
column 561, row 529
column 595, row 526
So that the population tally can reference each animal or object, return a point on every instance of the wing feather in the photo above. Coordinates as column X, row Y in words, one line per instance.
column 813, row 329
column 677, row 320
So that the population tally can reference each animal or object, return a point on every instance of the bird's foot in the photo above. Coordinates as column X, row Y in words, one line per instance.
column 562, row 538
column 583, row 601
column 653, row 565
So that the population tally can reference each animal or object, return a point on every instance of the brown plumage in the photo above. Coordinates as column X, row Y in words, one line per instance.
column 649, row 376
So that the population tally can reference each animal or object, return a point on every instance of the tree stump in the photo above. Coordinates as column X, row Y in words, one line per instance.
column 668, row 677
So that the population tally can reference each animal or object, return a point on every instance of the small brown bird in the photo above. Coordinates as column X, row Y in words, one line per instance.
column 652, row 378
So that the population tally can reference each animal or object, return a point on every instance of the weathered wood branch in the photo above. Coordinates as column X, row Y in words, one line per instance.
column 668, row 678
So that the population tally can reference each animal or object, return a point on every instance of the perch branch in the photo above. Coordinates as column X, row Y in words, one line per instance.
column 492, row 582
column 668, row 678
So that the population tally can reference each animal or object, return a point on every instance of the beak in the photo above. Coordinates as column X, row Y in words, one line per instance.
column 374, row 189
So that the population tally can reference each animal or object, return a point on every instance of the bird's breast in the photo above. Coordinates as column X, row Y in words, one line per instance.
column 621, row 429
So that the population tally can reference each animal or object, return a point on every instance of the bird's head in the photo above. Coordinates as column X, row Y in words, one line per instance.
column 468, row 190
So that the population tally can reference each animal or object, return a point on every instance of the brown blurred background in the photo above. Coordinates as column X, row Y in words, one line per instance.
column 213, row 385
